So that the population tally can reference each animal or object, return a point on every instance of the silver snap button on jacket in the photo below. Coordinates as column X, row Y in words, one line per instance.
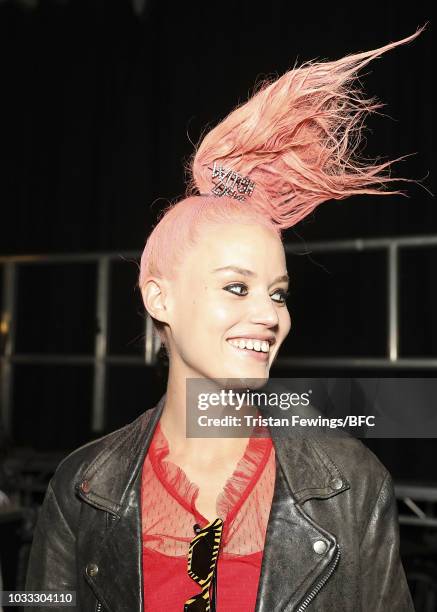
column 336, row 483
column 92, row 569
column 320, row 547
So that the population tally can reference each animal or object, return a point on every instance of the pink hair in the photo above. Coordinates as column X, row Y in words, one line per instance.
column 297, row 139
column 181, row 226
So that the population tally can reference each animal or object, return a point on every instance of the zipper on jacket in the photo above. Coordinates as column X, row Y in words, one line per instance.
column 314, row 591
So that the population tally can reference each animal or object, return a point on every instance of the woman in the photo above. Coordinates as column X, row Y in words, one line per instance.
column 279, row 524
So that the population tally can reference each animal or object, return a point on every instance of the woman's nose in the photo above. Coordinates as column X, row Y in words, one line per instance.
column 264, row 311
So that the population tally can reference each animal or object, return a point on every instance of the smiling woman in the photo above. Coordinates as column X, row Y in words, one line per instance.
column 149, row 519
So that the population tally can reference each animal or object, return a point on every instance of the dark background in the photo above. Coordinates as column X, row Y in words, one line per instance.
column 100, row 105
column 101, row 102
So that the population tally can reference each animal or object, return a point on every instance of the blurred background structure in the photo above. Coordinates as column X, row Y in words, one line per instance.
column 101, row 104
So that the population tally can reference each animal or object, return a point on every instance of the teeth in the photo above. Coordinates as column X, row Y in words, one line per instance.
column 255, row 345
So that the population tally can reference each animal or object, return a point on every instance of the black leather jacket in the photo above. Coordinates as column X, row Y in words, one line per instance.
column 332, row 540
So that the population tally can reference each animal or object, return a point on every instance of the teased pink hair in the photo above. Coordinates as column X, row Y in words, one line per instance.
column 297, row 139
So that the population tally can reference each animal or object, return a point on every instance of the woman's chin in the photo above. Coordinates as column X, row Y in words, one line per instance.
column 250, row 378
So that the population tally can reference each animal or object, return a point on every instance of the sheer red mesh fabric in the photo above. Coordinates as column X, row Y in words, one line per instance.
column 168, row 500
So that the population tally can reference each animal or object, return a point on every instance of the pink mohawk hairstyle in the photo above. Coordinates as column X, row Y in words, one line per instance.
column 296, row 139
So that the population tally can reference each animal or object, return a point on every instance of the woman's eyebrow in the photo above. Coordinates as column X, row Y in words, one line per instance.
column 246, row 272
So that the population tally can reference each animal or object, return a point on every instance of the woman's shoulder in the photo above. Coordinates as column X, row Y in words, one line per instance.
column 88, row 452
column 325, row 465
column 357, row 463
column 98, row 456
column 351, row 452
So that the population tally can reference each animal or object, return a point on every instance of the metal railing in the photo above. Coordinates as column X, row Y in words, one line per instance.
column 413, row 496
column 391, row 246
column 101, row 359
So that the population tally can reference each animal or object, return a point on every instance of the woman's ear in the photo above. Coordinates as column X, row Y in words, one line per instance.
column 155, row 297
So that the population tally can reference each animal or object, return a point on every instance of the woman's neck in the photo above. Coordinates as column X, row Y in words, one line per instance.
column 173, row 423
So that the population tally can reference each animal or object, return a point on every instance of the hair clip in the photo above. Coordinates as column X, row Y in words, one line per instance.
column 227, row 182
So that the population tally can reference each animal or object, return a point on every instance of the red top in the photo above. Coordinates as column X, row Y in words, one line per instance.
column 169, row 512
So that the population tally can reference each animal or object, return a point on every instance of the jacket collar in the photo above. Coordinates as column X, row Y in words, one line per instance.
column 304, row 470
column 107, row 481
column 306, row 465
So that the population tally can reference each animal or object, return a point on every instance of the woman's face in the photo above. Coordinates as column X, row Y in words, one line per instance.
column 227, row 313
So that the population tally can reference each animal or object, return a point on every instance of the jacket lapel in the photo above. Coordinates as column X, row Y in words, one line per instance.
column 118, row 583
column 292, row 561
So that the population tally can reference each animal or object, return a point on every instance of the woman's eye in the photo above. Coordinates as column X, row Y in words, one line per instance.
column 283, row 295
column 238, row 285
